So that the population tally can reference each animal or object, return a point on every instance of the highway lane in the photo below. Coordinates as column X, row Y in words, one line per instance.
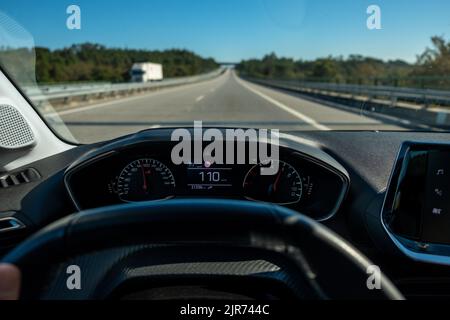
column 224, row 101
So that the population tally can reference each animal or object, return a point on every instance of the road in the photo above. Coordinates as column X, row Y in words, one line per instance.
column 223, row 101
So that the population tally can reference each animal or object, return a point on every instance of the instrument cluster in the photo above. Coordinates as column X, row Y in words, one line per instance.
column 146, row 173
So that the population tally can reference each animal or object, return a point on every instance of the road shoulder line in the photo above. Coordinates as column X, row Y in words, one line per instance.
column 285, row 108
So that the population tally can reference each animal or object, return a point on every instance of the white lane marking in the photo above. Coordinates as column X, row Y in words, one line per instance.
column 283, row 107
column 121, row 100
column 200, row 98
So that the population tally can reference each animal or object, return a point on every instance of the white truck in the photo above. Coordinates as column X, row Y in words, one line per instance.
column 146, row 72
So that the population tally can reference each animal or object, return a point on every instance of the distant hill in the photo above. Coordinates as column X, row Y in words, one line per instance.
column 95, row 62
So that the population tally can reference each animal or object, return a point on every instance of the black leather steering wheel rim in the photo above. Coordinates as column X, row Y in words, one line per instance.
column 192, row 221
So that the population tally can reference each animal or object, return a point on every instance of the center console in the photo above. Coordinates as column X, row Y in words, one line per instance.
column 416, row 212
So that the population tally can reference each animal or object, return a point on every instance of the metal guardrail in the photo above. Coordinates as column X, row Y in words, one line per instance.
column 66, row 87
column 423, row 97
column 66, row 93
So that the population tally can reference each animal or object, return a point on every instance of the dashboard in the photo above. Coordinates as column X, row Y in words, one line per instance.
column 144, row 171
column 375, row 189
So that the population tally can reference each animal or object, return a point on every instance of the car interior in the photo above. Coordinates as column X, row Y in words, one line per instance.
column 350, row 214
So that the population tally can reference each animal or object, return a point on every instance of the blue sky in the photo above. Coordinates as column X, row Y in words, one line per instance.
column 231, row 30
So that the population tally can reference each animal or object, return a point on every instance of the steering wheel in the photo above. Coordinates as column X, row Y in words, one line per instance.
column 153, row 250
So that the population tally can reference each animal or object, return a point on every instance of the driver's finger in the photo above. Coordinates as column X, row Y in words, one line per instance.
column 9, row 282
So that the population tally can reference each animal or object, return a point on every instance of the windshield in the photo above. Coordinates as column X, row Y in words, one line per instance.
column 96, row 70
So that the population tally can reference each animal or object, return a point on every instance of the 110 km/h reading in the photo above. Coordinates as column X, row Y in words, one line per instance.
column 201, row 178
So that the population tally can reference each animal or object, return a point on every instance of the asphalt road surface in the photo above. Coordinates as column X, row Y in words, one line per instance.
column 223, row 101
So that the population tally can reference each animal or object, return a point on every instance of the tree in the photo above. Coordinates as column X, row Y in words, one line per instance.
column 435, row 61
column 95, row 62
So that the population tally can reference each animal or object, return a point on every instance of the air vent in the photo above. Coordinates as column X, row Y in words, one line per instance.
column 19, row 178
column 10, row 224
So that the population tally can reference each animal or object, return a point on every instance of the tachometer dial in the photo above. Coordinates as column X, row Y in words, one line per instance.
column 145, row 180
column 284, row 188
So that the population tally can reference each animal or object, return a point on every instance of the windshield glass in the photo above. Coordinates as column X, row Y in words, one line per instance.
column 96, row 70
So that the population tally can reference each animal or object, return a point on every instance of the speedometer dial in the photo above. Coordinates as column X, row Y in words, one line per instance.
column 283, row 188
column 145, row 180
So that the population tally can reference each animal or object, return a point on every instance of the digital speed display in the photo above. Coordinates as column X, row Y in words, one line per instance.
column 209, row 178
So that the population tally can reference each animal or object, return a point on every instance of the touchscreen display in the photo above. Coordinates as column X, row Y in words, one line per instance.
column 421, row 206
column 436, row 211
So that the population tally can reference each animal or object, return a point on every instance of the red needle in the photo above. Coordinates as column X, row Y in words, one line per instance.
column 144, row 176
column 275, row 185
